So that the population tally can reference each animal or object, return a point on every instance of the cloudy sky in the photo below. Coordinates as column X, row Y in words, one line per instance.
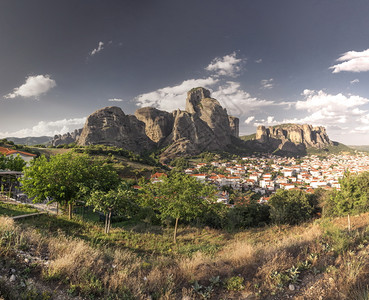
column 266, row 61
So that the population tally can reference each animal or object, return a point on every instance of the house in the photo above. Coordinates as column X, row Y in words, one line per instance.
column 27, row 157
column 158, row 177
column 199, row 177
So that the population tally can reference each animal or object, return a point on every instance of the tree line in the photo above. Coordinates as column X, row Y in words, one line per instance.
column 178, row 198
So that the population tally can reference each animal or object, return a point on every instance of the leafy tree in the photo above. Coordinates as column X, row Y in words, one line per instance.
column 120, row 201
column 180, row 163
column 67, row 178
column 291, row 206
column 353, row 198
column 178, row 196
column 13, row 163
column 251, row 214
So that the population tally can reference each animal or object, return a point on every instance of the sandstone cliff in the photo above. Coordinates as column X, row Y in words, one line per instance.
column 203, row 126
column 110, row 126
column 67, row 138
column 291, row 138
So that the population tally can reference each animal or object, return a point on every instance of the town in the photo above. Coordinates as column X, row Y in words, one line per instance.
column 266, row 174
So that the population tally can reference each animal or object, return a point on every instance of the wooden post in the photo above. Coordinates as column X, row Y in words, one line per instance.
column 175, row 231
column 348, row 222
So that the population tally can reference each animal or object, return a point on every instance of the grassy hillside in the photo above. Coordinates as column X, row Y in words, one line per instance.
column 337, row 148
column 137, row 261
column 248, row 137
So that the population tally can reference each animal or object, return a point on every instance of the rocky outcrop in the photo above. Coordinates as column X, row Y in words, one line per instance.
column 67, row 138
column 110, row 126
column 234, row 124
column 209, row 110
column 203, row 126
column 292, row 138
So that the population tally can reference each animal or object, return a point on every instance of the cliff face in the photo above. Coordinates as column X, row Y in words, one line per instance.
column 110, row 126
column 203, row 126
column 292, row 138
column 67, row 138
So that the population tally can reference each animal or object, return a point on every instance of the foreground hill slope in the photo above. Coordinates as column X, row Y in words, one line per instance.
column 321, row 259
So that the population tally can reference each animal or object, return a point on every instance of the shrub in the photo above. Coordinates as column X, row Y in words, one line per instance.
column 251, row 214
column 291, row 207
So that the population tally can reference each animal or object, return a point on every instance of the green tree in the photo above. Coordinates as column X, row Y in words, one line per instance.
column 67, row 178
column 178, row 196
column 120, row 201
column 291, row 206
column 13, row 163
column 353, row 197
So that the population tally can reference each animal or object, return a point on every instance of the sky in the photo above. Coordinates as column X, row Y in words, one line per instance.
column 267, row 62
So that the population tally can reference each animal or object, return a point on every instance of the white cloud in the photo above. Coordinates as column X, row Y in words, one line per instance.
column 354, row 81
column 33, row 87
column 249, row 120
column 236, row 100
column 338, row 113
column 227, row 65
column 258, row 61
column 115, row 100
column 99, row 48
column 47, row 128
column 267, row 84
column 172, row 97
column 320, row 100
column 352, row 61
column 269, row 121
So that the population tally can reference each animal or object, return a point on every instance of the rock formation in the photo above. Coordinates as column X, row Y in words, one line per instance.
column 292, row 138
column 110, row 126
column 67, row 138
column 158, row 124
column 203, row 126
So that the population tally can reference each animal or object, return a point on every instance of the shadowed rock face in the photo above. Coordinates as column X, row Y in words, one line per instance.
column 158, row 124
column 292, row 138
column 110, row 126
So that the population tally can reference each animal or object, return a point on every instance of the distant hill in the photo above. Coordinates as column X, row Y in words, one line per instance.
column 31, row 140
column 364, row 148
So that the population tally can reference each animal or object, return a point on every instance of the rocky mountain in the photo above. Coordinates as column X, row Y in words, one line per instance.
column 289, row 139
column 67, row 138
column 112, row 127
column 203, row 126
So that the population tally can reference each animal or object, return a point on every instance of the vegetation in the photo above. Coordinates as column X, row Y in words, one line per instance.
column 12, row 163
column 178, row 196
column 291, row 206
column 67, row 178
column 120, row 201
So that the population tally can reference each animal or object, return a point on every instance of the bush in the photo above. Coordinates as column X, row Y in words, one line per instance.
column 353, row 198
column 291, row 207
column 251, row 214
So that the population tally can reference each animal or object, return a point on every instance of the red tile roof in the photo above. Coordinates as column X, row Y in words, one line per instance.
column 7, row 151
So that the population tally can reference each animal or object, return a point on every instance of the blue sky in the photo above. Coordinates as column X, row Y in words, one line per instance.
column 266, row 61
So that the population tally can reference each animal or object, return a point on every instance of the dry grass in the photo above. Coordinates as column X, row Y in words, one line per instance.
column 267, row 259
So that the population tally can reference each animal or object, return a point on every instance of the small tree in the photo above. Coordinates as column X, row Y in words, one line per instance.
column 178, row 196
column 67, row 178
column 119, row 201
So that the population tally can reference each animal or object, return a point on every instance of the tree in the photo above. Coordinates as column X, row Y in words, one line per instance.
column 291, row 207
column 119, row 201
column 12, row 163
column 353, row 198
column 67, row 178
column 178, row 196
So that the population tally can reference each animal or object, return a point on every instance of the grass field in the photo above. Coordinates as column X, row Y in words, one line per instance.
column 137, row 260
